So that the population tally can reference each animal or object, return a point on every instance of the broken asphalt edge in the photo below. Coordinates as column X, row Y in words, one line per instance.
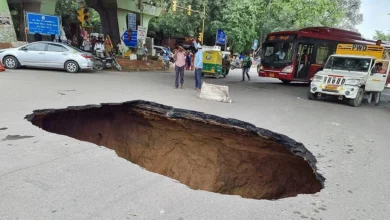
column 296, row 148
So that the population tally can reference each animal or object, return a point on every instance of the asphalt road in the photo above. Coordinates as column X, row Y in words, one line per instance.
column 47, row 176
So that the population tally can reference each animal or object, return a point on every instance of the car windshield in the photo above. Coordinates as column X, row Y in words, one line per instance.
column 348, row 64
column 278, row 52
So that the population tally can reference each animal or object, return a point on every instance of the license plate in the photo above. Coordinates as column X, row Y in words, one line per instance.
column 331, row 87
column 271, row 75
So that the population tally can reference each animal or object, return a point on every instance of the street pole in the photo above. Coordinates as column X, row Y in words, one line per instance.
column 225, row 42
column 204, row 17
column 216, row 38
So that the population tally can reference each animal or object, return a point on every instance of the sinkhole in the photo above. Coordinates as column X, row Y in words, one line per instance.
column 202, row 151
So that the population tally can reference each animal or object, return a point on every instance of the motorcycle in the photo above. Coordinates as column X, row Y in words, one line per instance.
column 106, row 62
column 234, row 65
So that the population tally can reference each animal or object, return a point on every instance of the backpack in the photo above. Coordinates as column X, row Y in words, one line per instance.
column 247, row 62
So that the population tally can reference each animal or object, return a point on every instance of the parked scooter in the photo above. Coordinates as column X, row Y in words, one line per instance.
column 106, row 62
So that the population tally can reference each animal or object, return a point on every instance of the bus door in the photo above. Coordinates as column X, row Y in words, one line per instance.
column 304, row 55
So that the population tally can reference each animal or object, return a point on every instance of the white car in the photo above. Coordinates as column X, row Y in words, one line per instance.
column 44, row 54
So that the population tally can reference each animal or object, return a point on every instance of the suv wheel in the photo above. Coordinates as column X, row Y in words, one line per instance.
column 358, row 100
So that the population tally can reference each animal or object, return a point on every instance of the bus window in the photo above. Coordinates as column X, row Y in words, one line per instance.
column 322, row 55
column 278, row 52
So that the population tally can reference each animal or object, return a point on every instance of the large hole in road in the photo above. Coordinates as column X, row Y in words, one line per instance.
column 202, row 151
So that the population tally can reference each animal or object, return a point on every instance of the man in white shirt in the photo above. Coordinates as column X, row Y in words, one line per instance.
column 99, row 49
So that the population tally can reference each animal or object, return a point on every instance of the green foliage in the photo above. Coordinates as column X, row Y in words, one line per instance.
column 352, row 16
column 380, row 35
column 246, row 20
column 179, row 24
column 67, row 10
column 239, row 20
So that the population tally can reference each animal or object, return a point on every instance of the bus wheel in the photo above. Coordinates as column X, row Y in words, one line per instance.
column 311, row 96
column 286, row 81
column 358, row 100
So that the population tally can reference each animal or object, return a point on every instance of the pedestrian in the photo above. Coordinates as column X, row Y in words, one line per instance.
column 166, row 60
column 144, row 53
column 93, row 43
column 108, row 47
column 188, row 61
column 237, row 61
column 246, row 65
column 99, row 48
column 375, row 96
column 87, row 45
column 180, row 62
column 198, row 64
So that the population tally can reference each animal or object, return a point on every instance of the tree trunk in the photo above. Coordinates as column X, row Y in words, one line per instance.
column 109, row 19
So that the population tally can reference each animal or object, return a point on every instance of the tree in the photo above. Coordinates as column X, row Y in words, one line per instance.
column 67, row 10
column 352, row 15
column 240, row 22
column 380, row 35
column 246, row 20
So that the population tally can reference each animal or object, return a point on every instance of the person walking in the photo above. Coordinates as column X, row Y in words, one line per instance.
column 198, row 64
column 246, row 65
column 180, row 62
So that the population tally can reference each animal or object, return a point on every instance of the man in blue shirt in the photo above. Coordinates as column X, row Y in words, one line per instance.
column 198, row 64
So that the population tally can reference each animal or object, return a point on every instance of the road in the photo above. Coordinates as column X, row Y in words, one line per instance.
column 48, row 176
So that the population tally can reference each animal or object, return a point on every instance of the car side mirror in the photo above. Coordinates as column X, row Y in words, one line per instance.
column 24, row 49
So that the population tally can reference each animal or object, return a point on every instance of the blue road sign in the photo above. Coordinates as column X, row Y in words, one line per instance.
column 255, row 44
column 221, row 37
column 133, row 41
column 43, row 24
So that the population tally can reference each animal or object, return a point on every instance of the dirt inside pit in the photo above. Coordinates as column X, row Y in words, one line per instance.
column 202, row 151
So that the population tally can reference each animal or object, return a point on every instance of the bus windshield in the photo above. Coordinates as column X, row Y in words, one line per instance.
column 348, row 64
column 278, row 52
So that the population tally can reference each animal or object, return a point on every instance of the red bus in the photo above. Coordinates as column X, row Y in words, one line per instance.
column 298, row 55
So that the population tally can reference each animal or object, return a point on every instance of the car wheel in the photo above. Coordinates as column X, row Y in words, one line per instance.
column 71, row 67
column 286, row 81
column 11, row 62
column 311, row 96
column 358, row 100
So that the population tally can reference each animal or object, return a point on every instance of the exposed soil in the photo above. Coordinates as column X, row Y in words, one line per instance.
column 202, row 151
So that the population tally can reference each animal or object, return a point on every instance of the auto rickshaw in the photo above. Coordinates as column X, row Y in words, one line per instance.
column 213, row 64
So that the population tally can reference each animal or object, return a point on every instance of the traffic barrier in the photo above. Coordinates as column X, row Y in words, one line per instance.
column 1, row 67
column 215, row 93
